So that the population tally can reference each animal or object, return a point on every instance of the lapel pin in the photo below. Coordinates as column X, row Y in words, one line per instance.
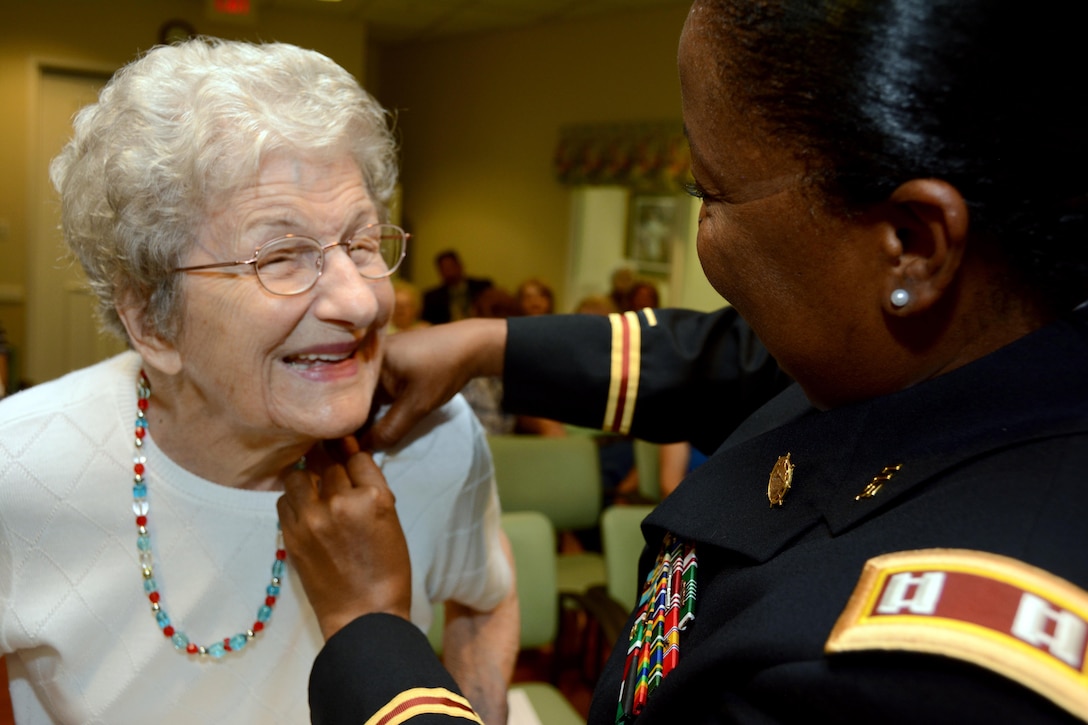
column 873, row 487
column 781, row 478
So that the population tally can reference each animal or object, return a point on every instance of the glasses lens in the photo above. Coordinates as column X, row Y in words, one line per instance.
column 378, row 251
column 290, row 265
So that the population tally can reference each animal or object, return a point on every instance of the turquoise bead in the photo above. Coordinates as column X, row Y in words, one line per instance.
column 140, row 507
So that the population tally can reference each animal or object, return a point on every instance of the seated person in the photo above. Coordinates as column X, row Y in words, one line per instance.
column 407, row 306
column 535, row 298
column 228, row 202
column 675, row 462
column 454, row 298
column 643, row 294
column 596, row 305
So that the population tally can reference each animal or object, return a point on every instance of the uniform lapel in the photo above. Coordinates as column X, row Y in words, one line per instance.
column 1028, row 390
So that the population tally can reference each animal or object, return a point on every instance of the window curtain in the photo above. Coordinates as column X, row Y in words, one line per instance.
column 646, row 157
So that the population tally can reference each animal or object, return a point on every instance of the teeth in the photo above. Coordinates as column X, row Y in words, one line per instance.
column 325, row 358
column 313, row 358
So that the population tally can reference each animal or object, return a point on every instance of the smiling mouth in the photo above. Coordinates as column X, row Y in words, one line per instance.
column 311, row 360
column 365, row 349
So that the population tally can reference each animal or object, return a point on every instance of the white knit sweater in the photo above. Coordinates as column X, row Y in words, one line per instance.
column 81, row 643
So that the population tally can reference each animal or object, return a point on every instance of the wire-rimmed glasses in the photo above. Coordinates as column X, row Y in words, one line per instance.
column 291, row 265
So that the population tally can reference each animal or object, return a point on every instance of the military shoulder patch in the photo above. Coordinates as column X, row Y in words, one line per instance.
column 999, row 613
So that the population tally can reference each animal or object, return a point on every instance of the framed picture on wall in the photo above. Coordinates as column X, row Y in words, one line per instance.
column 652, row 232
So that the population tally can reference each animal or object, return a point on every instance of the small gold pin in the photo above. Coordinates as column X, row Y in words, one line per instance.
column 781, row 478
column 873, row 487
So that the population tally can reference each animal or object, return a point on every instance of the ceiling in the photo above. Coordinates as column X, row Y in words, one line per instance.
column 401, row 21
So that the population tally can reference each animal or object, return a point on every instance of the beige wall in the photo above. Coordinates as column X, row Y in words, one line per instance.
column 104, row 35
column 479, row 119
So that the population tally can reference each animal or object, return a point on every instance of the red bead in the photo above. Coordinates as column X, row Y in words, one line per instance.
column 139, row 468
column 154, row 597
column 141, row 521
column 281, row 554
column 257, row 626
column 226, row 644
column 168, row 631
column 142, row 403
column 270, row 601
column 192, row 648
column 141, row 432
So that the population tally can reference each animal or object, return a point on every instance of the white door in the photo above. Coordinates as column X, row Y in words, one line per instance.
column 62, row 329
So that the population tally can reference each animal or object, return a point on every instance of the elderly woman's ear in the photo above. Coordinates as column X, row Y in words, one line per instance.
column 924, row 241
column 157, row 352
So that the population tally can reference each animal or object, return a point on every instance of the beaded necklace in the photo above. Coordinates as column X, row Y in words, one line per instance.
column 140, row 507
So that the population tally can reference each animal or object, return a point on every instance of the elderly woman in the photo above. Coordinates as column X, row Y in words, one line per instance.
column 894, row 196
column 227, row 201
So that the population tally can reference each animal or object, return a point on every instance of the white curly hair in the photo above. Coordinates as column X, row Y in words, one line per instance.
column 181, row 129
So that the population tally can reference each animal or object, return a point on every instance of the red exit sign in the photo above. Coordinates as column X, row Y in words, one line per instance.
column 233, row 7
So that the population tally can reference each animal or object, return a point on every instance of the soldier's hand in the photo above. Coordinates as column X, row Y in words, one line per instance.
column 344, row 541
column 423, row 369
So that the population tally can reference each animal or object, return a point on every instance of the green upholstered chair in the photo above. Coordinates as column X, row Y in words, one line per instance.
column 648, row 465
column 561, row 478
column 622, row 543
column 558, row 476
column 532, row 541
column 610, row 605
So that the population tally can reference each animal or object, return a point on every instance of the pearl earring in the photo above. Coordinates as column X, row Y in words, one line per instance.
column 900, row 298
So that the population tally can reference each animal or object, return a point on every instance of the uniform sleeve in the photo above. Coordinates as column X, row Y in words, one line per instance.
column 379, row 665
column 660, row 375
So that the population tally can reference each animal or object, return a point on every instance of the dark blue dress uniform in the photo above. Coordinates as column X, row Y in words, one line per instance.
column 927, row 563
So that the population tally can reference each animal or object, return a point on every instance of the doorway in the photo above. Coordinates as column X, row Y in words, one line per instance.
column 62, row 327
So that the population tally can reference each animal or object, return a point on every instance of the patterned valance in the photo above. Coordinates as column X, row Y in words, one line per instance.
column 644, row 156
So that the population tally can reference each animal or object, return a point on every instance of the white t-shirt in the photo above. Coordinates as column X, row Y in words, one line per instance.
column 81, row 642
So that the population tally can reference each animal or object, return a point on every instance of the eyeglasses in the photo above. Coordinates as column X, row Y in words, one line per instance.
column 291, row 265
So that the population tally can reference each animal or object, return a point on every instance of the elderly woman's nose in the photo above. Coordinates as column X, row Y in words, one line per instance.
column 342, row 293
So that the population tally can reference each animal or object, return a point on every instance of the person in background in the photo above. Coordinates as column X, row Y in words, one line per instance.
column 454, row 297
column 407, row 307
column 643, row 294
column 676, row 461
column 228, row 202
column 596, row 305
column 484, row 394
column 623, row 278
column 897, row 205
column 535, row 298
